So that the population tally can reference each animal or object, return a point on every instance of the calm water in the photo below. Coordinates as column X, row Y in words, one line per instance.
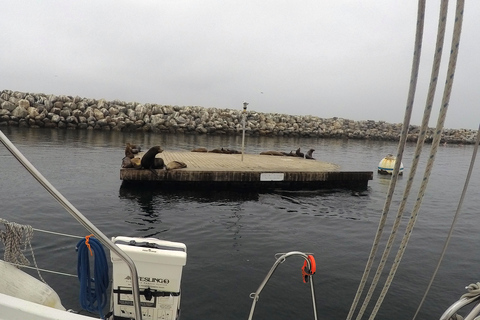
column 232, row 238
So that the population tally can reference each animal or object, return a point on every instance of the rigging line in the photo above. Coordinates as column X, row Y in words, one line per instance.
column 44, row 270
column 436, row 141
column 58, row 233
column 401, row 147
column 442, row 20
column 457, row 213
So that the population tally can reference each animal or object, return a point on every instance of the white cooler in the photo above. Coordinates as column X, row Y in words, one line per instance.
column 159, row 266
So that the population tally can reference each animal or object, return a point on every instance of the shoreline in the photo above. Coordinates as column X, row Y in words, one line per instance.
column 38, row 110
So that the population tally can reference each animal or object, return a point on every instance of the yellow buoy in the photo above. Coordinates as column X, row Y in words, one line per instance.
column 387, row 164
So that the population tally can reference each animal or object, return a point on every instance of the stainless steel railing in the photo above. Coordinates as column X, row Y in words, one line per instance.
column 281, row 258
column 456, row 306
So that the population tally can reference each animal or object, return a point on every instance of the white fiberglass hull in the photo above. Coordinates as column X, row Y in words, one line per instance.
column 12, row 308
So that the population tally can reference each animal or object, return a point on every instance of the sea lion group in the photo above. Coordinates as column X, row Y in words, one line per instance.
column 296, row 153
column 149, row 161
column 221, row 150
column 129, row 161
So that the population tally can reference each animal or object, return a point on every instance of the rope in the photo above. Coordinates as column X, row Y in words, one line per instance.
column 473, row 290
column 457, row 213
column 93, row 291
column 416, row 158
column 14, row 237
column 401, row 147
column 436, row 141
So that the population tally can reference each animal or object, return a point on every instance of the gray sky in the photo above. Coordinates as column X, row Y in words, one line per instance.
column 349, row 59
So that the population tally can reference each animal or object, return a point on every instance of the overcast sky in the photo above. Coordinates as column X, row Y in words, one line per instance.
column 337, row 58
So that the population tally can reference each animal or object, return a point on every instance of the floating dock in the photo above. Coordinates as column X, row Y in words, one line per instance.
column 218, row 170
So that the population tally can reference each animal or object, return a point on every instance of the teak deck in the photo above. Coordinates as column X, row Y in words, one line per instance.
column 255, row 171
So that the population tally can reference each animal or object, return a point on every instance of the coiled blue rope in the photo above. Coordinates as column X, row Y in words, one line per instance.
column 93, row 291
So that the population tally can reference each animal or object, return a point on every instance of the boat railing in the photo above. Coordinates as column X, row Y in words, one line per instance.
column 80, row 218
column 281, row 257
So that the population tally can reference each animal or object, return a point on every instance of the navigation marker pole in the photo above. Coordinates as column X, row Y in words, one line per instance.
column 244, row 113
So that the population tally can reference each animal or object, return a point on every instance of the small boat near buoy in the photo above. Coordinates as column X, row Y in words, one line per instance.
column 386, row 165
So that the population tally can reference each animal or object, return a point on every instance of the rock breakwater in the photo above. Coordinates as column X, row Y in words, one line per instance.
column 51, row 111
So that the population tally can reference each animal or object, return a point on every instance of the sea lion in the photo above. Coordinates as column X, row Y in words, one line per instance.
column 231, row 151
column 176, row 165
column 290, row 154
column 200, row 150
column 136, row 163
column 299, row 154
column 272, row 153
column 136, row 149
column 226, row 151
column 148, row 159
column 129, row 151
column 309, row 154
column 127, row 162
column 159, row 163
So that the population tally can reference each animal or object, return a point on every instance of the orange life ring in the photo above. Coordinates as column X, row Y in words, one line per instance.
column 306, row 272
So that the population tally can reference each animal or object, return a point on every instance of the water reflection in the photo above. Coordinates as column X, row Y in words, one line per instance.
column 144, row 194
column 384, row 180
column 149, row 199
